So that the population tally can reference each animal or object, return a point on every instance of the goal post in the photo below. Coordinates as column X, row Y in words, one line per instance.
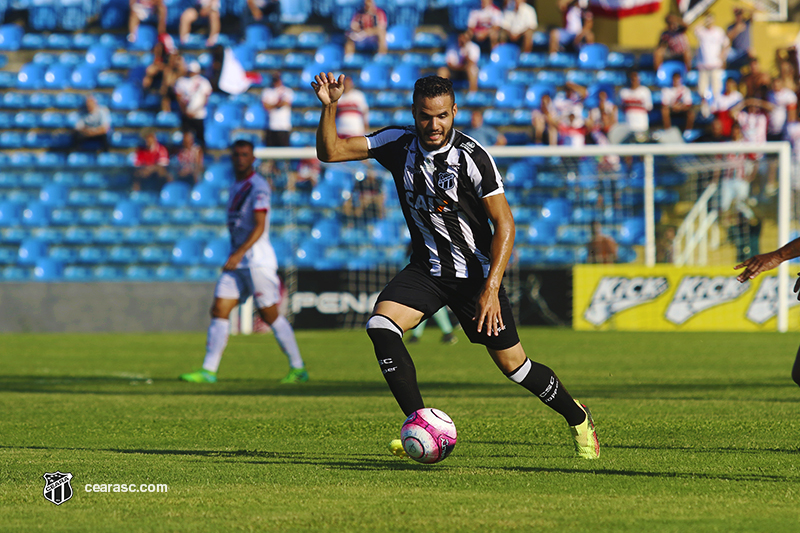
column 626, row 186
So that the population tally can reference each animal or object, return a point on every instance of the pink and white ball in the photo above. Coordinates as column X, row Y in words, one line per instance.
column 428, row 435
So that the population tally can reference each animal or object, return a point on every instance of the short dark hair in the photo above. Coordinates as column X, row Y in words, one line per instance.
column 433, row 86
column 243, row 142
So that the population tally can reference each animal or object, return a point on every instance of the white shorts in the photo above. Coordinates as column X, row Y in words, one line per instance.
column 261, row 283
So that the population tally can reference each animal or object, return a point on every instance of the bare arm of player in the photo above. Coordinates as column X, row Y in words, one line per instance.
column 764, row 262
column 330, row 148
column 487, row 310
column 236, row 256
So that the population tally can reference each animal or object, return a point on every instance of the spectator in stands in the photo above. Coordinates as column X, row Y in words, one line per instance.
column 713, row 46
column 572, row 130
column 756, row 81
column 267, row 12
column 545, row 121
column 367, row 202
column 277, row 100
column 577, row 29
column 483, row 25
column 751, row 115
column 189, row 160
column 726, row 101
column 605, row 116
column 367, row 29
column 352, row 113
column 462, row 62
column 519, row 23
column 637, row 101
column 151, row 162
column 93, row 127
column 673, row 44
column 485, row 135
column 601, row 248
column 734, row 183
column 784, row 110
column 306, row 176
column 205, row 11
column 715, row 132
column 676, row 101
column 787, row 71
column 664, row 247
column 739, row 35
column 192, row 93
column 214, row 68
column 148, row 12
column 159, row 76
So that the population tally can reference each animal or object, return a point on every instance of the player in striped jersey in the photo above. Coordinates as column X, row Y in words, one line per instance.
column 450, row 190
column 251, row 269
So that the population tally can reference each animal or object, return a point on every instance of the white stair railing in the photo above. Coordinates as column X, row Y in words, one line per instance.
column 698, row 233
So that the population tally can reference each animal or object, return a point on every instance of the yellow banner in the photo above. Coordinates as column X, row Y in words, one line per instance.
column 668, row 298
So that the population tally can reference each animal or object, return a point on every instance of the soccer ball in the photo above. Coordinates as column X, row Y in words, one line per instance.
column 428, row 435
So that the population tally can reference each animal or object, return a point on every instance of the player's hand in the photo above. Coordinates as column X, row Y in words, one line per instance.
column 233, row 261
column 487, row 313
column 328, row 88
column 756, row 265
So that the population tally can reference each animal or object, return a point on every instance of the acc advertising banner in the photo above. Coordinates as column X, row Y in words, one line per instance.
column 667, row 298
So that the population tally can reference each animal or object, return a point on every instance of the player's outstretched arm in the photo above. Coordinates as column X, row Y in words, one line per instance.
column 487, row 311
column 764, row 262
column 330, row 148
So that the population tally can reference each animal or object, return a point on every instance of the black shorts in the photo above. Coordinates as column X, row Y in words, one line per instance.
column 414, row 287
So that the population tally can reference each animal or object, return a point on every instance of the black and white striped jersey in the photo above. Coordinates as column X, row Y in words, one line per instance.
column 440, row 193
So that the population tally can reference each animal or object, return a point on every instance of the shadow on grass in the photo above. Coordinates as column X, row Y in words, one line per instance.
column 372, row 462
column 608, row 389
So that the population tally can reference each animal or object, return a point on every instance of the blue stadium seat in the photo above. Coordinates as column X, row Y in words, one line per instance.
column 228, row 115
column 43, row 14
column 53, row 195
column 63, row 217
column 67, row 178
column 343, row 12
column 533, row 96
column 403, row 77
column 77, row 273
column 41, row 100
column 458, row 12
column 140, row 273
column 667, row 70
column 84, row 76
column 559, row 255
column 145, row 39
column 10, row 213
column 99, row 56
column 621, row 60
column 175, row 194
column 170, row 234
column 423, row 39
column 301, row 139
column 124, row 60
column 122, row 254
column 557, row 210
column 520, row 175
column 505, row 55
column 497, row 117
column 218, row 137
column 81, row 159
column 220, row 175
column 48, row 269
column 532, row 60
column 108, row 236
column 73, row 14
column 246, row 55
column 92, row 255
column 187, row 251
column 328, row 57
column 139, row 235
column 168, row 119
column 593, row 56
column 580, row 77
column 31, row 250
column 268, row 61
column 632, row 232
column 139, row 119
column 612, row 77
column 541, row 232
column 492, row 76
column 374, row 76
column 31, row 76
column 525, row 77
column 126, row 213
column 258, row 36
column 93, row 217
column 57, row 76
column 510, row 96
column 311, row 40
column 204, row 194
column 44, row 58
column 552, row 77
column 107, row 273
column 126, row 96
column 120, row 139
column 327, row 231
column 68, row 100
column 647, row 77
column 399, row 37
column 111, row 159
column 216, row 252
column 65, row 254
column 26, row 119
column 82, row 41
column 255, row 117
column 15, row 100
column 562, row 60
column 11, row 37
column 154, row 254
column 36, row 214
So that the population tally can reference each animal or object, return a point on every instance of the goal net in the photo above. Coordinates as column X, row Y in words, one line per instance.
column 340, row 235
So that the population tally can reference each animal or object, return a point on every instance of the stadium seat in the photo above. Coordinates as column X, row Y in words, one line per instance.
column 48, row 269
column 551, row 77
column 10, row 213
column 155, row 254
column 557, row 210
column 328, row 57
column 73, row 14
column 562, row 60
column 311, row 40
column 403, row 77
column 268, row 61
column 31, row 250
column 93, row 217
column 82, row 41
column 204, row 194
column 146, row 38
column 593, row 56
column 580, row 77
column 219, row 174
column 510, row 96
column 43, row 15
column 174, row 194
column 632, row 232
column 57, row 76
column 53, row 195
column 126, row 213
column 216, row 252
column 187, row 251
column 255, row 117
column 520, row 175
column 532, row 60
column 257, row 36
column 121, row 254
column 84, row 77
column 374, row 76
column 217, row 136
column 26, row 120
column 99, row 56
column 505, row 55
column 667, row 70
column 11, row 37
column 541, row 232
column 126, row 97
column 533, row 96
column 139, row 235
column 41, row 100
column 559, row 255
column 92, row 255
column 423, row 39
column 140, row 273
column 31, row 76
column 620, row 60
column 36, row 214
column 492, row 76
column 302, row 139
column 228, row 115
column 399, row 37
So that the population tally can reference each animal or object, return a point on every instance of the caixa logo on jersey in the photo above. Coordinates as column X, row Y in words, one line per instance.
column 57, row 488
column 695, row 294
column 765, row 303
column 615, row 294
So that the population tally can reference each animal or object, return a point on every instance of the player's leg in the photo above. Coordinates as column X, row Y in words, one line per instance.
column 416, row 333
column 442, row 318
column 266, row 286
column 796, row 368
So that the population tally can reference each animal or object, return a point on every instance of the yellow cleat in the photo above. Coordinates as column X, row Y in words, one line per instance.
column 396, row 448
column 585, row 436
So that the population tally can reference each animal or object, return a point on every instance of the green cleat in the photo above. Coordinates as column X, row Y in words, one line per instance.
column 586, row 443
column 396, row 448
column 296, row 375
column 200, row 376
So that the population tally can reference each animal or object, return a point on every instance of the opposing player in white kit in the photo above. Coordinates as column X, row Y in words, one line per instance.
column 251, row 270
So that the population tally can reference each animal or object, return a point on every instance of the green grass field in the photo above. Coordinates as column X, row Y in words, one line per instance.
column 699, row 432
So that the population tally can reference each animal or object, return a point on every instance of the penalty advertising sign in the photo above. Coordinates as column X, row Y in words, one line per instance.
column 670, row 298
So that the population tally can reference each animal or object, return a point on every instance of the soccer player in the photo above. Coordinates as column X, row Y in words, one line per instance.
column 251, row 269
column 450, row 191
column 764, row 262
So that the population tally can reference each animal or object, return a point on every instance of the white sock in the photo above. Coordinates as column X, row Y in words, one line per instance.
column 284, row 334
column 216, row 342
